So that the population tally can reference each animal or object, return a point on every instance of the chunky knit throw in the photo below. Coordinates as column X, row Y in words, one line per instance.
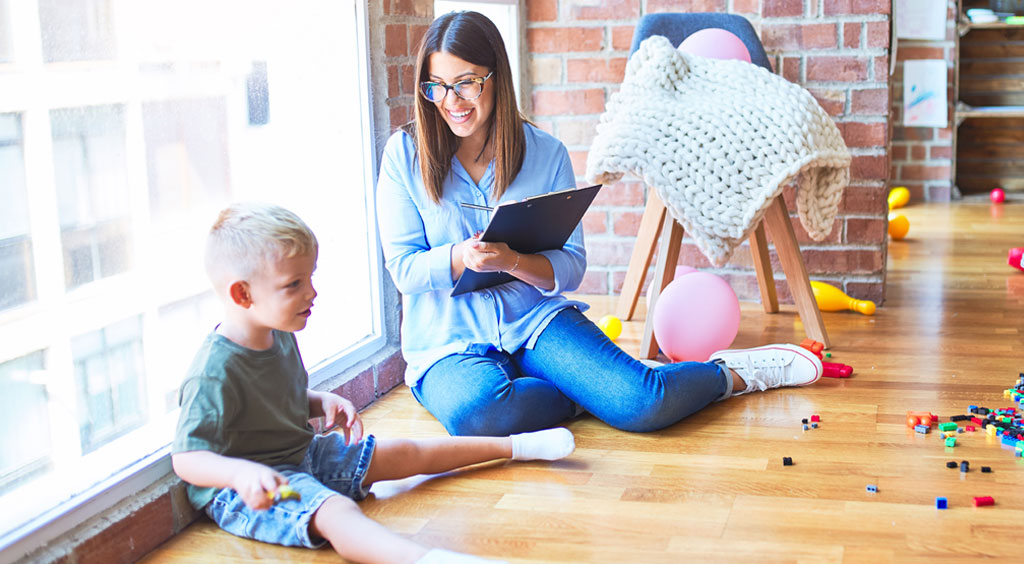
column 718, row 140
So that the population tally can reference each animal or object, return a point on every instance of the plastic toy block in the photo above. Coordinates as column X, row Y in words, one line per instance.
column 836, row 370
column 814, row 425
column 813, row 346
column 970, row 429
column 941, row 503
column 990, row 430
column 921, row 418
column 815, row 418
column 976, row 421
column 923, row 429
column 804, row 420
column 984, row 500
column 959, row 418
column 787, row 461
column 874, row 489
column 806, row 427
column 965, row 466
column 284, row 491
column 1009, row 441
column 951, row 441
column 948, row 434
column 947, row 426
column 972, row 408
column 986, row 469
column 951, row 464
column 959, row 430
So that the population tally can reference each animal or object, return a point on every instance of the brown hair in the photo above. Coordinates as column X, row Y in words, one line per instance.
column 474, row 38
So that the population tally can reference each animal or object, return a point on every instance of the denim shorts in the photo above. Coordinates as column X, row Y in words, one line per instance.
column 329, row 468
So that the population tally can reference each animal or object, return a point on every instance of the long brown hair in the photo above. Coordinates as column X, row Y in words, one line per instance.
column 471, row 37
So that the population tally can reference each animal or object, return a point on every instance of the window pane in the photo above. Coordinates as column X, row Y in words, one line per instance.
column 17, row 272
column 24, row 399
column 6, row 48
column 92, row 192
column 77, row 30
column 186, row 154
column 111, row 385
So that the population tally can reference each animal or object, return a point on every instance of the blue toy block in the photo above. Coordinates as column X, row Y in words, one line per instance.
column 923, row 429
column 941, row 503
column 872, row 488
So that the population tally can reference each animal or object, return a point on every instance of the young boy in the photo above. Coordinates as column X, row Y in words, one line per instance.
column 244, row 429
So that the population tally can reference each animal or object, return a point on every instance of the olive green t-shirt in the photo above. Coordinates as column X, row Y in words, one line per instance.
column 244, row 403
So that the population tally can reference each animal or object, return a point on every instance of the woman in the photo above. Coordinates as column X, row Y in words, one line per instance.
column 518, row 356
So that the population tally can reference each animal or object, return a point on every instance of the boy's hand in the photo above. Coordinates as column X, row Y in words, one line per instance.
column 341, row 412
column 252, row 482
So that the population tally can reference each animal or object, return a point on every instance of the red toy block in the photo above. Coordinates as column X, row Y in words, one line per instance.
column 836, row 370
column 970, row 428
column 975, row 420
column 815, row 419
column 984, row 500
column 813, row 346
column 921, row 418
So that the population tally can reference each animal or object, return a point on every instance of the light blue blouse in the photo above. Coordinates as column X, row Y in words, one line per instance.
column 417, row 236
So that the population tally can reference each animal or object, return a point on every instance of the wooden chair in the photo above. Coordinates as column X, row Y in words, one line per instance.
column 654, row 227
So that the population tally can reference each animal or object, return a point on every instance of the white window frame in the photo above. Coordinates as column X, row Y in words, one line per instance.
column 152, row 469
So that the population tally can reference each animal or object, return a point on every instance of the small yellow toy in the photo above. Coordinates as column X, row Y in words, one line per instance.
column 898, row 197
column 283, row 492
column 899, row 225
column 610, row 326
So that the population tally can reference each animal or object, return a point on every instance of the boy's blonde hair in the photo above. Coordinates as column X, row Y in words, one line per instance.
column 247, row 235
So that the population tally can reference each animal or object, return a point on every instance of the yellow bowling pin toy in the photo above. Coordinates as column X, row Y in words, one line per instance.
column 830, row 298
column 898, row 197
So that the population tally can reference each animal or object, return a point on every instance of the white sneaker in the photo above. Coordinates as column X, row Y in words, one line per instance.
column 772, row 366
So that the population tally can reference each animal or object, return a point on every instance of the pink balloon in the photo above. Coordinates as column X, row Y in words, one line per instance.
column 696, row 315
column 681, row 270
column 715, row 43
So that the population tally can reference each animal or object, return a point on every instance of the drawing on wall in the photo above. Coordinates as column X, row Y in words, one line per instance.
column 920, row 19
column 924, row 93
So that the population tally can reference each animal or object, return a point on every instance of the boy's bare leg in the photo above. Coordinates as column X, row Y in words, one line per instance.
column 394, row 459
column 358, row 538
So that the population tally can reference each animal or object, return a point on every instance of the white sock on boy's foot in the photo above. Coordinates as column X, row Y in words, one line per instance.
column 441, row 556
column 549, row 444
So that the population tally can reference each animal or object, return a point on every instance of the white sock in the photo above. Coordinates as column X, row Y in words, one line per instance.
column 441, row 556
column 549, row 444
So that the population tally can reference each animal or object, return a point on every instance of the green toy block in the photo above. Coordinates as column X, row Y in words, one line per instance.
column 951, row 441
column 951, row 426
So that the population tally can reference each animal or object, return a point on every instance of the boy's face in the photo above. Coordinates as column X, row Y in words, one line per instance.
column 282, row 294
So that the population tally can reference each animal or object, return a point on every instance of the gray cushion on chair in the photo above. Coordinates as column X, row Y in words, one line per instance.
column 677, row 27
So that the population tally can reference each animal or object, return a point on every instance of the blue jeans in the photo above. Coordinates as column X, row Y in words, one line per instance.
column 572, row 363
column 329, row 468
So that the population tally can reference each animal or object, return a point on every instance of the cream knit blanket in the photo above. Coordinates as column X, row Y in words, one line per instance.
column 718, row 140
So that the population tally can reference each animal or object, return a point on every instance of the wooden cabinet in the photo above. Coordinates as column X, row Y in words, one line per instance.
column 989, row 114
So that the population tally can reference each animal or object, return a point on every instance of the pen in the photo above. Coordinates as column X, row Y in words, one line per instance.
column 474, row 206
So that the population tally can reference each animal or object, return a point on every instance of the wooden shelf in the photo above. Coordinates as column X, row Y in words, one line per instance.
column 964, row 111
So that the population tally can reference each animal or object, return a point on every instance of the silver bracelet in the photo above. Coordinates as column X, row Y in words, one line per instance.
column 514, row 266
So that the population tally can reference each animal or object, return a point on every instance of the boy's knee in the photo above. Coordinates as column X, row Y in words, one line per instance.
column 470, row 426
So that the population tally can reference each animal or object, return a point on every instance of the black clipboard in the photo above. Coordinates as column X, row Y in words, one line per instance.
column 539, row 223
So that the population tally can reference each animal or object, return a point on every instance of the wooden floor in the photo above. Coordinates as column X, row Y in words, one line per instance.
column 713, row 487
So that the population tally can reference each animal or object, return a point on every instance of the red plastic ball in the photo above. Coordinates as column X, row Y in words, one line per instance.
column 997, row 195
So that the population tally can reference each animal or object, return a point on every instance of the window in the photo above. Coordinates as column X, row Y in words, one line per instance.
column 504, row 14
column 119, row 143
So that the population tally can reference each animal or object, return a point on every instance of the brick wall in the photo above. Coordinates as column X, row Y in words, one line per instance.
column 576, row 52
column 922, row 157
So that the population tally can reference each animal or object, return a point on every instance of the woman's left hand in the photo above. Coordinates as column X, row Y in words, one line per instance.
column 489, row 257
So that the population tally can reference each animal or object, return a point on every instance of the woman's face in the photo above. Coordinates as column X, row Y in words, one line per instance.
column 466, row 118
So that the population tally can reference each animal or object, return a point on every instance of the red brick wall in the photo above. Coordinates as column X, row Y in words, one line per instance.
column 576, row 52
column 922, row 157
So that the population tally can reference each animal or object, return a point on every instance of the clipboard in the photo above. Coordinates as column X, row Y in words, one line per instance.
column 539, row 223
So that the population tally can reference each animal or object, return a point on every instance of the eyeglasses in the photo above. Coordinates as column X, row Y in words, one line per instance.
column 469, row 89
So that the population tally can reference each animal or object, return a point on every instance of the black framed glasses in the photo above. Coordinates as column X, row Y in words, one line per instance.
column 469, row 89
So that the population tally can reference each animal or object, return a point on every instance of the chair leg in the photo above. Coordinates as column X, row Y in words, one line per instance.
column 643, row 250
column 763, row 268
column 777, row 220
column 668, row 256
